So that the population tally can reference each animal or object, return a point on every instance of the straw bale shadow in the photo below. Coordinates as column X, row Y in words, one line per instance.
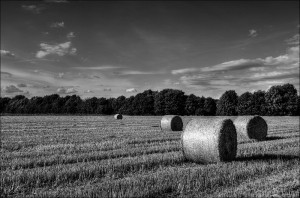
column 267, row 157
column 274, row 138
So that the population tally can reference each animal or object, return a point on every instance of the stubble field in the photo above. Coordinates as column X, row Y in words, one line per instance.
column 97, row 156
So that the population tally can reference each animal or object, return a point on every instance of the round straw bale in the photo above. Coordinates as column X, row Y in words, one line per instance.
column 209, row 141
column 171, row 123
column 118, row 117
column 251, row 127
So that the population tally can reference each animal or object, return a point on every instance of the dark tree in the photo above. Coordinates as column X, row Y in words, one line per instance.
column 191, row 104
column 117, row 103
column 128, row 108
column 200, row 106
column 259, row 103
column 210, row 107
column 281, row 100
column 3, row 104
column 169, row 101
column 144, row 103
column 298, row 106
column 226, row 106
column 245, row 104
column 72, row 105
column 90, row 105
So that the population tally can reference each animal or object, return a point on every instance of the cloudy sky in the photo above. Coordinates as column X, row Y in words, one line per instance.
column 108, row 49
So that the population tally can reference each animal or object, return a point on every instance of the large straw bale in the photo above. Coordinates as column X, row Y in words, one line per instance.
column 118, row 117
column 251, row 127
column 171, row 123
column 209, row 141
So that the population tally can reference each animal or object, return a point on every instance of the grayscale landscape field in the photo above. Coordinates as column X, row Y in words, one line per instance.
column 98, row 156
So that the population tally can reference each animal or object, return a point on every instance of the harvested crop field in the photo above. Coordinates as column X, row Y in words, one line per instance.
column 99, row 156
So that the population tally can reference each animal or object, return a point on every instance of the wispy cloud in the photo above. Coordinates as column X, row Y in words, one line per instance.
column 242, row 64
column 252, row 33
column 21, row 85
column 5, row 53
column 294, row 40
column 61, row 75
column 105, row 67
column 63, row 90
column 71, row 35
column 184, row 71
column 6, row 74
column 131, row 90
column 241, row 73
column 134, row 72
column 57, row 49
column 36, row 9
column 11, row 89
column 57, row 25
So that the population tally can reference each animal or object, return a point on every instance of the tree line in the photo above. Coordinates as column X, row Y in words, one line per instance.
column 279, row 100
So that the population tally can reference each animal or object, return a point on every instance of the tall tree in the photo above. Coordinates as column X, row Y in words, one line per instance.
column 245, row 104
column 210, row 107
column 226, row 106
column 259, row 103
column 281, row 100
column 144, row 103
column 191, row 104
column 169, row 101
column 3, row 104
column 200, row 106
column 117, row 103
column 90, row 105
column 73, row 104
column 128, row 107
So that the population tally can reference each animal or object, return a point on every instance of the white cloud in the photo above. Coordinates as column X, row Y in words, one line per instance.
column 252, row 33
column 107, row 89
column 184, row 71
column 232, row 65
column 106, row 67
column 131, row 90
column 134, row 72
column 244, row 74
column 21, row 85
column 58, row 49
column 270, row 74
column 11, row 89
column 63, row 90
column 88, row 91
column 61, row 75
column 5, row 53
column 71, row 35
column 294, row 40
column 73, row 51
column 58, row 25
column 290, row 58
column 33, row 8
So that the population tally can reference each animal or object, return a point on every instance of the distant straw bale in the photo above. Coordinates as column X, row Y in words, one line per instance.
column 209, row 141
column 118, row 117
column 171, row 123
column 251, row 127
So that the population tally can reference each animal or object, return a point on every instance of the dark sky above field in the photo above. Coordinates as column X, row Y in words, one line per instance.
column 108, row 49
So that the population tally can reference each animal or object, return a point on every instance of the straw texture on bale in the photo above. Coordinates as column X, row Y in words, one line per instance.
column 171, row 123
column 118, row 117
column 209, row 141
column 251, row 127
